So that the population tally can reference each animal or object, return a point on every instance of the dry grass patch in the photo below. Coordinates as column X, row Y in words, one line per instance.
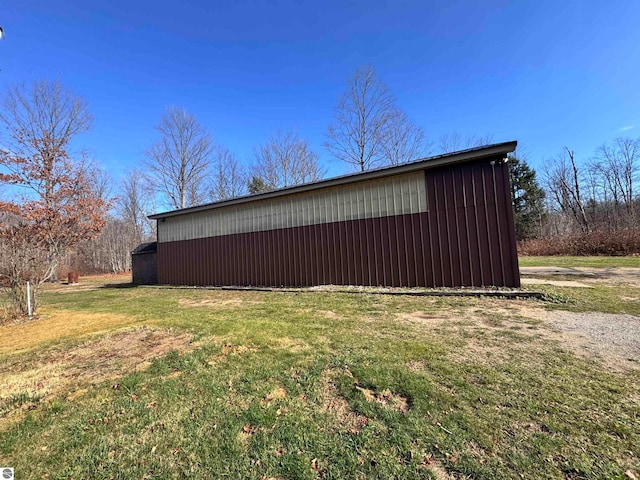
column 219, row 299
column 386, row 398
column 438, row 471
column 294, row 345
column 613, row 276
column 231, row 349
column 335, row 404
column 57, row 325
column 425, row 318
column 89, row 282
column 330, row 314
column 478, row 332
column 211, row 303
column 69, row 370
column 277, row 393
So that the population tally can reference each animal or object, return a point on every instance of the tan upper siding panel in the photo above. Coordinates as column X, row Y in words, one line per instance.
column 397, row 195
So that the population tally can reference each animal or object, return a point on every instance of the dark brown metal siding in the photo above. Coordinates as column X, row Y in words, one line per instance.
column 466, row 238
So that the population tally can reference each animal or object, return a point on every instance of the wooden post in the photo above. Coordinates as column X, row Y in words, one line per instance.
column 29, row 299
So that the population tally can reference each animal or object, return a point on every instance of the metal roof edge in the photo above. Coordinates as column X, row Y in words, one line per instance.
column 476, row 153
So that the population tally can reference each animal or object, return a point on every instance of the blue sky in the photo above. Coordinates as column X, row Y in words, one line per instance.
column 546, row 73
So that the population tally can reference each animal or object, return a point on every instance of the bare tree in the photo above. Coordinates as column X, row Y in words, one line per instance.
column 54, row 205
column 403, row 139
column 135, row 203
column 40, row 121
column 619, row 163
column 178, row 163
column 229, row 178
column 452, row 142
column 100, row 180
column 563, row 183
column 362, row 118
column 285, row 160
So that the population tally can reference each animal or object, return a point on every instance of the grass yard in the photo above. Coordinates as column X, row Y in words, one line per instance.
column 117, row 382
column 598, row 262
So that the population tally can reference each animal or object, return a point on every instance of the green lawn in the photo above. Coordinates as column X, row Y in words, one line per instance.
column 307, row 385
column 564, row 261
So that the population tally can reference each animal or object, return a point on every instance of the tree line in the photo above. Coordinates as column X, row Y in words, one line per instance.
column 589, row 205
column 577, row 205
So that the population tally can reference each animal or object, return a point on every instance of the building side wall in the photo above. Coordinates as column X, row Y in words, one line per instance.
column 397, row 195
column 144, row 268
column 462, row 235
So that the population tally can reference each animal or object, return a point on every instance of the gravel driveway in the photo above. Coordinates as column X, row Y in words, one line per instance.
column 613, row 338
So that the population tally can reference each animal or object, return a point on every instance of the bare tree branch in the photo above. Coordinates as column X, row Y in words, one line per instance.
column 403, row 140
column 229, row 178
column 452, row 142
column 619, row 164
column 285, row 160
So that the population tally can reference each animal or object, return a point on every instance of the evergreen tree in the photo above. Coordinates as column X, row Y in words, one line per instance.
column 527, row 197
column 256, row 185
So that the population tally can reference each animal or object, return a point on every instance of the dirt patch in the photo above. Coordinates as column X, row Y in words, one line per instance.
column 336, row 405
column 416, row 365
column 60, row 370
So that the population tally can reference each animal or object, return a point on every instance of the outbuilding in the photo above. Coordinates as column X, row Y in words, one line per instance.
column 144, row 264
column 443, row 221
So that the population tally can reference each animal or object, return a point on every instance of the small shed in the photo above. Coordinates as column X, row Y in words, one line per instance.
column 144, row 264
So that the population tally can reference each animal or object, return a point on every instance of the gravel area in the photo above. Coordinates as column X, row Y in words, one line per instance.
column 611, row 276
column 614, row 338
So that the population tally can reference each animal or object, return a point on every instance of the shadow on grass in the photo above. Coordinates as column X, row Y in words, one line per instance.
column 120, row 285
